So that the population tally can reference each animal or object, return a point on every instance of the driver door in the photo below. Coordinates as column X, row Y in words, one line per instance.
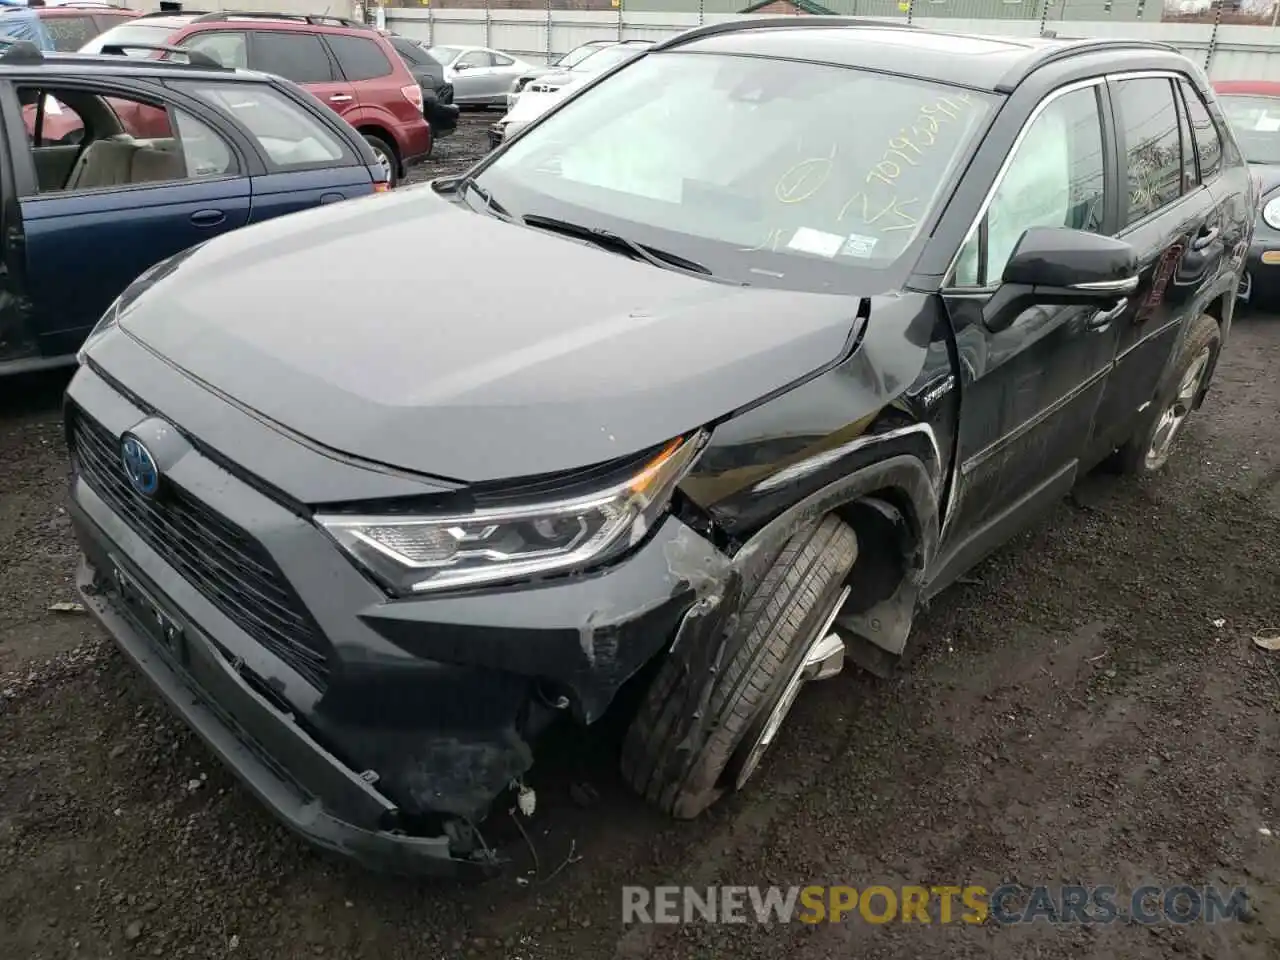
column 1030, row 391
column 473, row 77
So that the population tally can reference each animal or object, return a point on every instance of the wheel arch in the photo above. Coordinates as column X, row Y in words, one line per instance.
column 375, row 129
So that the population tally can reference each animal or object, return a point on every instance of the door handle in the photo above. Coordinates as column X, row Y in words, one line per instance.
column 1102, row 319
column 340, row 98
column 1205, row 237
column 331, row 197
column 208, row 218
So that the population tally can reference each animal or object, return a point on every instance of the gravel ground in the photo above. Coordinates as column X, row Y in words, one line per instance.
column 1090, row 709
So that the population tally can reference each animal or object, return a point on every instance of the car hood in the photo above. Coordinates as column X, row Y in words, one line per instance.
column 1267, row 175
column 535, row 73
column 408, row 331
column 530, row 105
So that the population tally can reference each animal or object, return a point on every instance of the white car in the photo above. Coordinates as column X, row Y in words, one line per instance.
column 544, row 92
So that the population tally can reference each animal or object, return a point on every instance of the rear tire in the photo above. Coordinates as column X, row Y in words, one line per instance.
column 1149, row 449
column 387, row 159
column 776, row 630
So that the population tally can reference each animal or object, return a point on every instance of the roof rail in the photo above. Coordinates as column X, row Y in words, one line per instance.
column 195, row 58
column 19, row 51
column 1010, row 80
column 772, row 23
column 315, row 19
column 173, row 13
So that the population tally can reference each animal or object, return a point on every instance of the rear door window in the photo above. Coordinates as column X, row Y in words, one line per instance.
column 299, row 57
column 228, row 47
column 359, row 58
column 1208, row 143
column 1148, row 124
column 288, row 135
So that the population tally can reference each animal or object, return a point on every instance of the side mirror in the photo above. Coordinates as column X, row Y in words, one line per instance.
column 1058, row 265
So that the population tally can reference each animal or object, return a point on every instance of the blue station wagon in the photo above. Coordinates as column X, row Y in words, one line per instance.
column 110, row 164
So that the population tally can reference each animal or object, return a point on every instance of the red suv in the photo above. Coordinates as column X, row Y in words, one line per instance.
column 346, row 64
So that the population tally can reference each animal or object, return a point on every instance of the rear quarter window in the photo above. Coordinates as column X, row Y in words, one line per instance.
column 358, row 57
column 288, row 135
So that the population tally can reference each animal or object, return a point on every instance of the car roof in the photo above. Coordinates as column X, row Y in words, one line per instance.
column 78, row 8
column 1257, row 88
column 970, row 60
column 86, row 64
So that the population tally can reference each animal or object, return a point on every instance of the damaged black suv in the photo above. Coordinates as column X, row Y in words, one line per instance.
column 795, row 320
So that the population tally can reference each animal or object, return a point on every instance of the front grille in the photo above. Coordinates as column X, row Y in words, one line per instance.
column 444, row 93
column 233, row 571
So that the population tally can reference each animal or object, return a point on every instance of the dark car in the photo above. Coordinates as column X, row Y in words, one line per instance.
column 754, row 386
column 437, row 95
column 1252, row 108
column 347, row 65
column 126, row 161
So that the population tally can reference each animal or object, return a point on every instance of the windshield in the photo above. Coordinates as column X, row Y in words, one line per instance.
column 605, row 59
column 576, row 55
column 767, row 171
column 1256, row 123
column 149, row 34
column 445, row 55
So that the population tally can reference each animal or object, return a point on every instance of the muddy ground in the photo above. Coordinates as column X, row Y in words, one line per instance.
column 1090, row 709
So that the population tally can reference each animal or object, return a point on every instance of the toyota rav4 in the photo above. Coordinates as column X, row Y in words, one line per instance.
column 798, row 319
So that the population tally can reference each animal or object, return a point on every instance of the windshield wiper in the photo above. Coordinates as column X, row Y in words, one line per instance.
column 495, row 208
column 611, row 241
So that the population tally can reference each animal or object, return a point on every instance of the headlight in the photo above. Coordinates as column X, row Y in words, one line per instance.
column 1271, row 213
column 100, row 328
column 513, row 127
column 416, row 554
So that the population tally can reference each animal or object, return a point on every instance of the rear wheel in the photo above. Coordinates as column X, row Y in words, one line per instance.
column 782, row 641
column 386, row 157
column 1149, row 449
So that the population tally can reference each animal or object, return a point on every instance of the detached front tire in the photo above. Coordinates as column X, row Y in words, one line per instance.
column 780, row 628
column 1149, row 449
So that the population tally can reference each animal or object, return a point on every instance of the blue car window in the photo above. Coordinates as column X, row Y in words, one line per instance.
column 287, row 134
column 88, row 141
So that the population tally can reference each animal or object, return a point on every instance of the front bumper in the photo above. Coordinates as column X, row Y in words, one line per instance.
column 420, row 712
column 1262, row 278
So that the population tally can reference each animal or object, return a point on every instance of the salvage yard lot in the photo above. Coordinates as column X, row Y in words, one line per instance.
column 1089, row 709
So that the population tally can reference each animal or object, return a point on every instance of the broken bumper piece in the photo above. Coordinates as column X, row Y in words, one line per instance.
column 207, row 691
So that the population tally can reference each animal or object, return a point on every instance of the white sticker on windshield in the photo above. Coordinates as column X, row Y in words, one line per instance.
column 807, row 240
column 858, row 245
column 1268, row 124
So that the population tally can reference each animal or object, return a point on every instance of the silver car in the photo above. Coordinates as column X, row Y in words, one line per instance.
column 480, row 76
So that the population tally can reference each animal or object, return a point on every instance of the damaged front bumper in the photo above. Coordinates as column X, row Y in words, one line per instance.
column 391, row 744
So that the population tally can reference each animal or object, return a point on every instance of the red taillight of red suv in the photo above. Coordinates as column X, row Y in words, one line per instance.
column 413, row 93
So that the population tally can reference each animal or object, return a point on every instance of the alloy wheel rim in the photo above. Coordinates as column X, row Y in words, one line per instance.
column 384, row 163
column 1174, row 416
column 790, row 692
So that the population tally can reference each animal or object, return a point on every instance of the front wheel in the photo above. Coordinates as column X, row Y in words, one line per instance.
column 1148, row 450
column 386, row 158
column 782, row 639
